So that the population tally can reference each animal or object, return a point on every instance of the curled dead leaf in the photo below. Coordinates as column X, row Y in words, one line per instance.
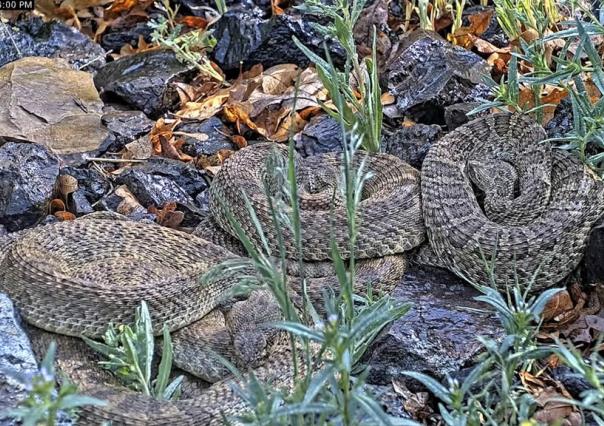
column 63, row 216
column 240, row 141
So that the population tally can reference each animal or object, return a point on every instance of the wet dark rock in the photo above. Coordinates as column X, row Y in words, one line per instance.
column 215, row 139
column 389, row 400
column 438, row 335
column 80, row 203
column 493, row 34
column 190, row 179
column 457, row 115
column 428, row 73
column 562, row 122
column 203, row 201
column 411, row 144
column 143, row 80
column 247, row 39
column 126, row 126
column 91, row 183
column 593, row 262
column 27, row 177
column 115, row 38
column 323, row 134
column 15, row 355
column 160, row 181
column 150, row 189
column 32, row 37
column 574, row 383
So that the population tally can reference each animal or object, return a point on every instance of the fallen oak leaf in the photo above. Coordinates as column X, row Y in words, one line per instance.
column 63, row 216
column 205, row 109
column 239, row 140
column 196, row 22
column 119, row 6
column 237, row 113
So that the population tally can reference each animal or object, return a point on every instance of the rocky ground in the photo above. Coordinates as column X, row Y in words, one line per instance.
column 117, row 125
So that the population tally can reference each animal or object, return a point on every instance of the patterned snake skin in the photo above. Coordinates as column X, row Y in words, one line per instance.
column 492, row 190
column 73, row 278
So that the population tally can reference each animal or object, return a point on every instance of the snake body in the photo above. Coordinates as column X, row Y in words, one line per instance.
column 495, row 194
column 74, row 278
column 533, row 213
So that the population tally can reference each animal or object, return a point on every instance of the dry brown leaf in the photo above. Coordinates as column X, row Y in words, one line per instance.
column 205, row 109
column 560, row 303
column 555, row 411
column 240, row 141
column 119, row 6
column 551, row 95
column 168, row 215
column 129, row 203
column 196, row 22
column 63, row 216
column 279, row 78
column 479, row 22
column 387, row 98
column 162, row 127
column 238, row 113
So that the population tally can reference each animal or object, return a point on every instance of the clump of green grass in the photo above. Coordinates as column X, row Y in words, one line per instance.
column 362, row 111
column 325, row 350
column 189, row 47
column 492, row 393
column 129, row 353
column 568, row 71
column 592, row 371
column 43, row 402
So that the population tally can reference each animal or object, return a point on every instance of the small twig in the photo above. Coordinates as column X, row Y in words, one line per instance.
column 11, row 37
column 116, row 160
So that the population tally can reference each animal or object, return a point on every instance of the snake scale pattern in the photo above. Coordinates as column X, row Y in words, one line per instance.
column 490, row 189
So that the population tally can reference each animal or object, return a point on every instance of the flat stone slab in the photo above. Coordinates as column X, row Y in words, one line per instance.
column 45, row 101
column 438, row 335
column 15, row 354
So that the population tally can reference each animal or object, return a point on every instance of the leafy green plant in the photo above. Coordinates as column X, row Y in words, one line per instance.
column 517, row 16
column 221, row 6
column 364, row 112
column 492, row 394
column 592, row 371
column 189, row 47
column 129, row 352
column 325, row 351
column 43, row 402
column 570, row 73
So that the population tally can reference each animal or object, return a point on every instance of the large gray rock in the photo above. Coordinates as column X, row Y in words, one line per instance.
column 411, row 144
column 428, row 73
column 144, row 80
column 593, row 261
column 438, row 335
column 44, row 100
column 244, row 39
column 323, row 134
column 27, row 177
column 15, row 355
column 34, row 37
